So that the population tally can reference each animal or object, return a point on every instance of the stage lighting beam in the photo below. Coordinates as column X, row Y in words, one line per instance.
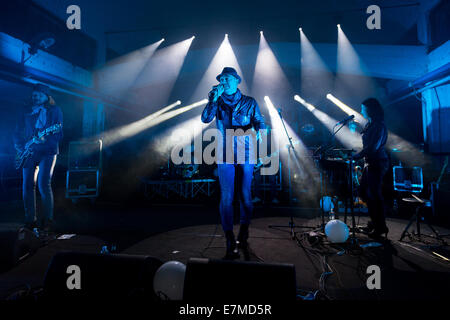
column 224, row 57
column 118, row 134
column 299, row 158
column 345, row 136
column 359, row 118
column 267, row 67
column 169, row 115
column 119, row 75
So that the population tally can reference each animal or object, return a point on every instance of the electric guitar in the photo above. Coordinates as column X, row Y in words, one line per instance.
column 27, row 152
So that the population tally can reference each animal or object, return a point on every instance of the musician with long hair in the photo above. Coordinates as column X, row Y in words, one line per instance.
column 374, row 137
column 42, row 115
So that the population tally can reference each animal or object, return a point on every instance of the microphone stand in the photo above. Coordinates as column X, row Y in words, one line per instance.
column 291, row 224
column 352, row 237
column 321, row 150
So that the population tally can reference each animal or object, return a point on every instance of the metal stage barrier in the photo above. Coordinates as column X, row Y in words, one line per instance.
column 186, row 188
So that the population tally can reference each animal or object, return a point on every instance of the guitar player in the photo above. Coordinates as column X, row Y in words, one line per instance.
column 42, row 115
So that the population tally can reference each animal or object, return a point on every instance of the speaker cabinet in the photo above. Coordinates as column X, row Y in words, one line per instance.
column 82, row 183
column 85, row 155
column 101, row 276
column 16, row 244
column 220, row 281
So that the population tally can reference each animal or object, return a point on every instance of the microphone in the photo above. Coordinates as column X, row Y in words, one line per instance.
column 348, row 119
column 215, row 90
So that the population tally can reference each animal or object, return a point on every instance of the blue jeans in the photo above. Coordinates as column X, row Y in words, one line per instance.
column 40, row 169
column 227, row 175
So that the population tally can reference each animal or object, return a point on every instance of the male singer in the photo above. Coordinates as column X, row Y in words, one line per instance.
column 233, row 110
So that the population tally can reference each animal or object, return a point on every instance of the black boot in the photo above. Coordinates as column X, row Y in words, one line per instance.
column 47, row 225
column 243, row 236
column 231, row 252
column 243, row 241
column 369, row 228
column 47, row 228
column 377, row 232
column 30, row 225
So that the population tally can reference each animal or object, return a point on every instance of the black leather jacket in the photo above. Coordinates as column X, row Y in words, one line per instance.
column 244, row 115
column 374, row 137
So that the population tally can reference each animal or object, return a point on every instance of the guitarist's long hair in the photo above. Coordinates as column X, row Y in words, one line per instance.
column 374, row 109
column 50, row 102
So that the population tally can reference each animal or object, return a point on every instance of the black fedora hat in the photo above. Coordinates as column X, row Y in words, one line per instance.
column 231, row 71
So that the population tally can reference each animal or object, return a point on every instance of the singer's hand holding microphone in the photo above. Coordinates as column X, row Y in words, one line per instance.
column 216, row 92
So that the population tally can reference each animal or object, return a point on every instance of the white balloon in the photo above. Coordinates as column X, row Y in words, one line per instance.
column 168, row 282
column 336, row 231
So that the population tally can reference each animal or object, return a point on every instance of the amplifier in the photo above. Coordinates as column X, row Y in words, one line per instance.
column 85, row 155
column 408, row 179
column 83, row 183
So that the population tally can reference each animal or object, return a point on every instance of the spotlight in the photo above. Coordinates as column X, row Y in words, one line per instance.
column 299, row 29
column 339, row 26
column 193, row 37
column 41, row 41
column 162, row 40
column 261, row 32
column 226, row 35
column 299, row 99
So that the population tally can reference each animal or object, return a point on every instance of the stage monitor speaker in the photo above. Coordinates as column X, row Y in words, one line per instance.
column 85, row 155
column 220, row 281
column 83, row 183
column 408, row 179
column 100, row 276
column 16, row 243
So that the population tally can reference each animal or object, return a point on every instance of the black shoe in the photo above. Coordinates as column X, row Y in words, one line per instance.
column 47, row 226
column 367, row 228
column 231, row 255
column 243, row 237
column 30, row 225
column 232, row 252
column 246, row 252
column 376, row 233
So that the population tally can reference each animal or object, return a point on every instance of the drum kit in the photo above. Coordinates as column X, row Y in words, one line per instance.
column 185, row 171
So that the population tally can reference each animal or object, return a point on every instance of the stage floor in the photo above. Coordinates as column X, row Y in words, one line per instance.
column 409, row 269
